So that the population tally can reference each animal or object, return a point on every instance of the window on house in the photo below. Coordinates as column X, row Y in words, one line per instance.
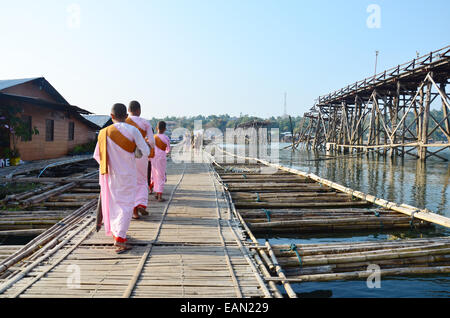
column 49, row 129
column 71, row 131
column 27, row 122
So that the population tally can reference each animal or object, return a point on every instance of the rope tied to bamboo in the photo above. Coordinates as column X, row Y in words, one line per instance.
column 294, row 248
column 268, row 214
column 411, row 223
column 258, row 199
column 354, row 198
column 245, row 177
column 377, row 214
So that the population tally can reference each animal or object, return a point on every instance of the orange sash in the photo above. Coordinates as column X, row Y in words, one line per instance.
column 160, row 144
column 119, row 139
column 130, row 121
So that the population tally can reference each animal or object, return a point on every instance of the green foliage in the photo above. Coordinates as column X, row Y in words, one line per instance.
column 14, row 188
column 11, row 122
column 6, row 153
column 223, row 122
column 438, row 115
column 85, row 149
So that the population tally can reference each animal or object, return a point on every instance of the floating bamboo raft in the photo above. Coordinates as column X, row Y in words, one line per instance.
column 32, row 212
column 350, row 261
column 8, row 250
column 279, row 205
column 285, row 202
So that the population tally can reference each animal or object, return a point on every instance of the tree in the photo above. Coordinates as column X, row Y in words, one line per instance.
column 12, row 124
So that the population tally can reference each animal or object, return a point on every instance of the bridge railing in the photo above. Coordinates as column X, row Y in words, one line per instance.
column 415, row 64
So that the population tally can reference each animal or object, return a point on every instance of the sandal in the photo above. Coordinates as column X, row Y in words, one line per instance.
column 121, row 248
column 142, row 211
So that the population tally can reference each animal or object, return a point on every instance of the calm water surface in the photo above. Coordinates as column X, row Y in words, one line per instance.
column 399, row 180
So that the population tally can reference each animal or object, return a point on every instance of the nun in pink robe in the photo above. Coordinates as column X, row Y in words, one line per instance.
column 118, row 186
column 141, row 198
column 159, row 164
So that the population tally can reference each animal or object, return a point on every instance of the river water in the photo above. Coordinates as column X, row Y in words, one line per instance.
column 401, row 180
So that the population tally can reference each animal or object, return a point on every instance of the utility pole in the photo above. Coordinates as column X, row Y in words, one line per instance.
column 376, row 61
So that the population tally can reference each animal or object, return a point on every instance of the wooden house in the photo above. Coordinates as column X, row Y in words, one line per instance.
column 61, row 126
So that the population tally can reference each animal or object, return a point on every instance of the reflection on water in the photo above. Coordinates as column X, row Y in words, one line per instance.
column 400, row 180
column 399, row 287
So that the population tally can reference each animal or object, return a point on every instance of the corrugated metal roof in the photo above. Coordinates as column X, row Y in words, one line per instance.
column 10, row 83
column 42, row 84
column 99, row 120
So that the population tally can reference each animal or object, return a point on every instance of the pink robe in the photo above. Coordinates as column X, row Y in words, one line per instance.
column 159, row 163
column 141, row 198
column 118, row 186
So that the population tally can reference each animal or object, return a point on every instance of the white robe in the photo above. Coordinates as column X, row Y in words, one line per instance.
column 118, row 186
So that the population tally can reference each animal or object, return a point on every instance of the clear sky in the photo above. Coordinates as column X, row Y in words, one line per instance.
column 190, row 57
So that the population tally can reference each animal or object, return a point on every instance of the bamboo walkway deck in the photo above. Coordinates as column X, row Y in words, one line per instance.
column 187, row 247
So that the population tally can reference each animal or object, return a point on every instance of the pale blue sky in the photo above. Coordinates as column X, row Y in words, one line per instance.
column 190, row 57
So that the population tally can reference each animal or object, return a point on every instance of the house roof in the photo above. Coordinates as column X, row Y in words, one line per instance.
column 74, row 110
column 40, row 81
column 99, row 120
column 14, row 82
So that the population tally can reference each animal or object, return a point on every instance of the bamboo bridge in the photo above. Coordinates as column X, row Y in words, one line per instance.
column 389, row 113
column 202, row 242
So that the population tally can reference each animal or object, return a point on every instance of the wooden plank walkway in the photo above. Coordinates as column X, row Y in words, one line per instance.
column 187, row 247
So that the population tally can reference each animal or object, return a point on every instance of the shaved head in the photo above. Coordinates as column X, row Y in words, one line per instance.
column 119, row 111
column 161, row 127
column 134, row 108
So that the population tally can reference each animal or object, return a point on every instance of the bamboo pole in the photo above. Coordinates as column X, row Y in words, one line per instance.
column 48, row 238
column 53, row 265
column 30, row 267
column 238, row 241
column 266, row 275
column 28, row 232
column 416, row 212
column 281, row 275
column 366, row 274
column 232, row 207
column 46, row 180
